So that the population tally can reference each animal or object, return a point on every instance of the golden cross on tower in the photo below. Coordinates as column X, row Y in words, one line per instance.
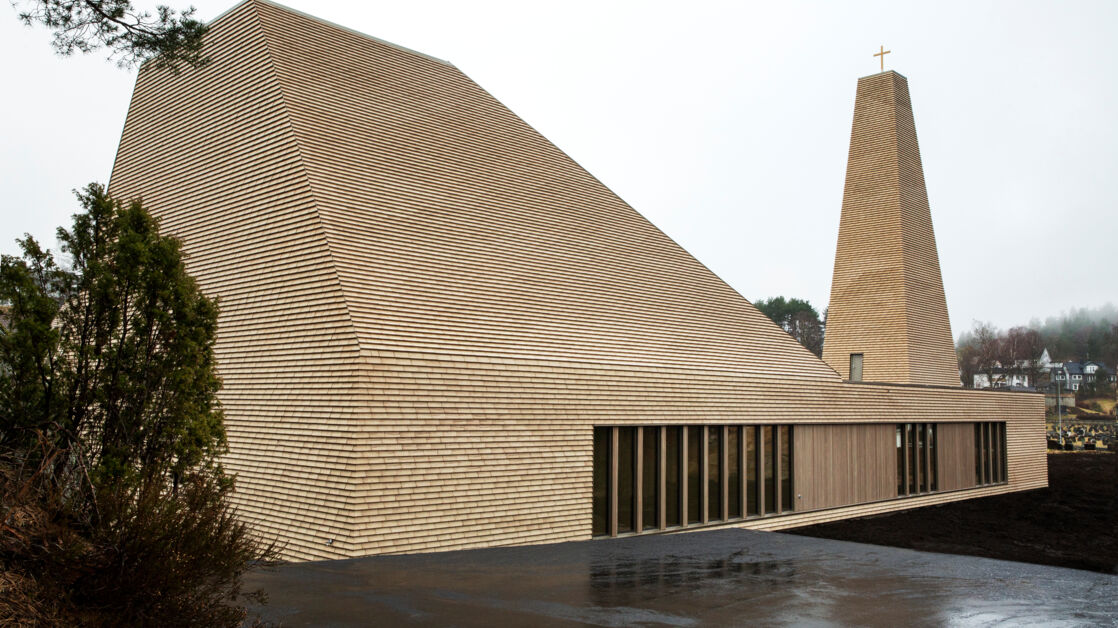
column 882, row 55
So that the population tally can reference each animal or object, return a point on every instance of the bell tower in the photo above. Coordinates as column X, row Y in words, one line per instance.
column 887, row 320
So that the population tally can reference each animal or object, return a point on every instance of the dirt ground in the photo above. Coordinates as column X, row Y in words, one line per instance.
column 1072, row 523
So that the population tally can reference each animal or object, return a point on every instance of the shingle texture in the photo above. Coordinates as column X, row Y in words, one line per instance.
column 426, row 306
column 887, row 299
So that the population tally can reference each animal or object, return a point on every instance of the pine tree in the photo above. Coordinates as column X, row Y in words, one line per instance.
column 115, row 507
column 169, row 39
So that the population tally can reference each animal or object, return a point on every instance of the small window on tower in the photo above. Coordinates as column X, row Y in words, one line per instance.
column 855, row 367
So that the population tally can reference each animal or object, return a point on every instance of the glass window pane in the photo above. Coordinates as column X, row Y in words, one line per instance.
column 855, row 367
column 1005, row 455
column 694, row 477
column 787, row 503
column 650, row 478
column 982, row 446
column 769, row 445
column 910, row 440
column 626, row 478
column 986, row 451
column 672, row 476
column 978, row 453
column 714, row 473
column 996, row 438
column 900, row 460
column 921, row 458
column 751, row 481
column 933, row 475
column 733, row 472
column 600, row 519
column 1004, row 474
column 995, row 453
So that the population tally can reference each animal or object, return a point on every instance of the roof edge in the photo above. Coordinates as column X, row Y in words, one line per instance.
column 329, row 23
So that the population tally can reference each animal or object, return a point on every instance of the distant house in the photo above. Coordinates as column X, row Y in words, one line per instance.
column 1095, row 371
column 1002, row 378
column 1065, row 375
column 1016, row 377
column 1073, row 375
column 1045, row 360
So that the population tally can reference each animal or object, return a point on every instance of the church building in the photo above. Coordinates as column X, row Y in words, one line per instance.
column 439, row 332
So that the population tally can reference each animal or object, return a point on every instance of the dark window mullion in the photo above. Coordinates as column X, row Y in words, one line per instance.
column 743, row 469
column 613, row 482
column 906, row 436
column 684, row 479
column 1005, row 451
column 704, row 475
column 762, row 460
column 978, row 454
column 601, row 477
column 989, row 457
column 662, row 477
column 725, row 467
column 777, row 468
column 638, row 476
column 932, row 462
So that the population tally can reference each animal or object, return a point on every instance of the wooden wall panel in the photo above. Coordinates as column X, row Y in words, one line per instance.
column 426, row 306
column 955, row 456
column 844, row 464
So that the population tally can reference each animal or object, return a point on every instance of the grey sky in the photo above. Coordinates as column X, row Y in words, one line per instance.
column 724, row 123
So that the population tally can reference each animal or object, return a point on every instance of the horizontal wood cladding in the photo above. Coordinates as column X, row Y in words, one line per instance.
column 213, row 156
column 887, row 300
column 426, row 306
column 837, row 465
column 456, row 227
column 516, row 436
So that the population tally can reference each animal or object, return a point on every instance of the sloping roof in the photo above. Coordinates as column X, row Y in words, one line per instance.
column 1101, row 366
column 487, row 239
column 455, row 227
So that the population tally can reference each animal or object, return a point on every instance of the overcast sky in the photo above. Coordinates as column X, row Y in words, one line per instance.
column 726, row 124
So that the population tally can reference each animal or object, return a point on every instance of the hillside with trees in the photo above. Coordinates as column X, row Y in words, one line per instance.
column 1077, row 335
column 798, row 318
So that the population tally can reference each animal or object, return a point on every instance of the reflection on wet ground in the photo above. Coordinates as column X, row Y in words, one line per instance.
column 724, row 577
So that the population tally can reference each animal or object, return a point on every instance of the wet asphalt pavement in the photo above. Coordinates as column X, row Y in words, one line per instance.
column 716, row 578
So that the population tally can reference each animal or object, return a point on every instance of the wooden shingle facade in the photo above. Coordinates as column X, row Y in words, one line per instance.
column 429, row 313
column 887, row 301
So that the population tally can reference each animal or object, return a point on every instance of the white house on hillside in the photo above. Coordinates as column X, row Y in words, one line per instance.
column 1016, row 377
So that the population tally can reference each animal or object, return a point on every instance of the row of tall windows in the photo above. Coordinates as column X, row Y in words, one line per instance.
column 991, row 464
column 655, row 478
column 916, row 459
